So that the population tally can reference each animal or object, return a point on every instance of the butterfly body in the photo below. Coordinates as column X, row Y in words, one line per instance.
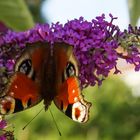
column 46, row 72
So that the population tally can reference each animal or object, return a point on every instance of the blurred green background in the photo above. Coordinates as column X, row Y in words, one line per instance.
column 115, row 112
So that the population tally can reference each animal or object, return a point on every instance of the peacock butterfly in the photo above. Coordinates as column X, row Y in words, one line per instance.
column 46, row 72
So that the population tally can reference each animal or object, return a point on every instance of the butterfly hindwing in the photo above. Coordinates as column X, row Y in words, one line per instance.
column 71, row 101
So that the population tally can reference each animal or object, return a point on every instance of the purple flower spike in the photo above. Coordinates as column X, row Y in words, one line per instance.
column 10, row 64
column 3, row 124
column 2, row 137
column 95, row 45
column 5, row 135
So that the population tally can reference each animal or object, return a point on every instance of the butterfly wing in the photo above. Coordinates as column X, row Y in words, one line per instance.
column 69, row 98
column 23, row 90
column 72, row 102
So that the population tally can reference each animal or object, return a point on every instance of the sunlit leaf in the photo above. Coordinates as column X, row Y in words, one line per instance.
column 15, row 14
column 134, row 10
column 35, row 8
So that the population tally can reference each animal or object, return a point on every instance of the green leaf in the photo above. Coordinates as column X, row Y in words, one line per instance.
column 134, row 10
column 15, row 14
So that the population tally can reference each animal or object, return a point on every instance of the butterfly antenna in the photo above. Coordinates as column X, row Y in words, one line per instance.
column 32, row 119
column 55, row 122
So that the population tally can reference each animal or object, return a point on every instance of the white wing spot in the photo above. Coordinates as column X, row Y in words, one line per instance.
column 75, row 99
column 16, row 86
column 73, row 91
column 12, row 93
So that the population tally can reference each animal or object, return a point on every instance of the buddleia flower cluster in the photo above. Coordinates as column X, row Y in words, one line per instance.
column 4, row 134
column 95, row 45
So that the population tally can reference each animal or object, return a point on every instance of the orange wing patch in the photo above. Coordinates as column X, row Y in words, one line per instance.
column 71, row 101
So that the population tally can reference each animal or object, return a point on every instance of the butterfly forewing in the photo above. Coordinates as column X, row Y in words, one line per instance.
column 69, row 98
column 23, row 89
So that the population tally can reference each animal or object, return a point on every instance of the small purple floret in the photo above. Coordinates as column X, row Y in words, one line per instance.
column 2, row 137
column 3, row 124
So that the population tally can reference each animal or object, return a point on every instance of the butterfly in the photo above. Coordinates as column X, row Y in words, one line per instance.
column 47, row 72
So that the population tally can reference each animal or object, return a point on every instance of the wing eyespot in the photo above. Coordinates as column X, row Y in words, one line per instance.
column 70, row 70
column 25, row 66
